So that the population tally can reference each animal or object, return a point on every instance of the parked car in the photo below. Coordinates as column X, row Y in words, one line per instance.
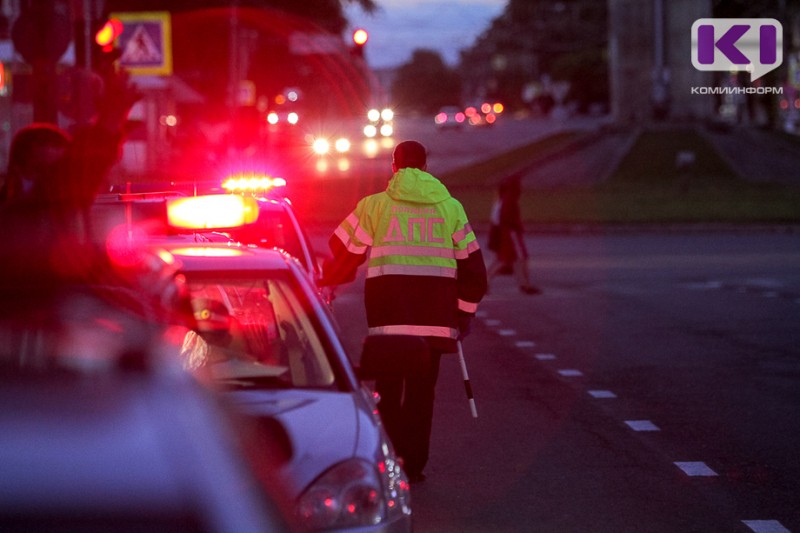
column 101, row 428
column 270, row 345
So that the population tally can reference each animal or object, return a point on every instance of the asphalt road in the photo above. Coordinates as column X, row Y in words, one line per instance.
column 652, row 387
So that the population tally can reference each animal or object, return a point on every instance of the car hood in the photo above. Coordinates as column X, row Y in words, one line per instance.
column 324, row 428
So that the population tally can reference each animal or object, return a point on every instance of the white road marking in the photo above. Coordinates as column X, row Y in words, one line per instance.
column 642, row 425
column 492, row 322
column 703, row 285
column 765, row 526
column 695, row 468
column 507, row 332
column 545, row 356
column 602, row 394
column 569, row 372
column 525, row 344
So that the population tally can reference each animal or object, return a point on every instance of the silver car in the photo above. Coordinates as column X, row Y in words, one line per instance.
column 268, row 342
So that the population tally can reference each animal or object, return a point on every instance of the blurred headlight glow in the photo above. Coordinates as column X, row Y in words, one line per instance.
column 321, row 146
column 342, row 145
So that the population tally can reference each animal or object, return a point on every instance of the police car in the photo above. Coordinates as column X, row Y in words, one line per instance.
column 277, row 225
column 143, row 213
column 269, row 344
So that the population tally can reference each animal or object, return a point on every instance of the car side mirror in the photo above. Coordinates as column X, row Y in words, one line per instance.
column 388, row 357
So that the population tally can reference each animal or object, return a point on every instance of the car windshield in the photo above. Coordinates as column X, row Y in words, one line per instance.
column 272, row 229
column 255, row 333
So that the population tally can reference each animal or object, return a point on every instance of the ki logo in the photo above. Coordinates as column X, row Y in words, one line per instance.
column 755, row 45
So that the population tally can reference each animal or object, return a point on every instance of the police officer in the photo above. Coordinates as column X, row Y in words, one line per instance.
column 425, row 277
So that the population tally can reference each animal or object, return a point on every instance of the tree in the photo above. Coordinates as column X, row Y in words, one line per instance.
column 534, row 39
column 328, row 14
column 426, row 83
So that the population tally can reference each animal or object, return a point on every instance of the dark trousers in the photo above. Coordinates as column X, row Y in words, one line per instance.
column 406, row 409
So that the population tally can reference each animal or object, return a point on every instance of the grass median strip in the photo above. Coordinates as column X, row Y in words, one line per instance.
column 669, row 176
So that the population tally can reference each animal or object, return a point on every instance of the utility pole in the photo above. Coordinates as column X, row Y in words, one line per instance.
column 41, row 35
column 86, row 15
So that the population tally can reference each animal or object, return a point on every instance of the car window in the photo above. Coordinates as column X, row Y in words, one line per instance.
column 255, row 333
column 273, row 229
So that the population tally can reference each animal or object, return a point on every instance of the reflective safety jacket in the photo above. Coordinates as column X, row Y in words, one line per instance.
column 425, row 265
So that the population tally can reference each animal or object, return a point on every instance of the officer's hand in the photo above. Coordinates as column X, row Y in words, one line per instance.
column 464, row 325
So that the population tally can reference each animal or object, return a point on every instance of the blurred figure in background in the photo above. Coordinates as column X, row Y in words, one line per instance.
column 53, row 179
column 506, row 236
column 35, row 151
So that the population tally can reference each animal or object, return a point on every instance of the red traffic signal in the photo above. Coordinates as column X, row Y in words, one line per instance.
column 360, row 37
column 108, row 33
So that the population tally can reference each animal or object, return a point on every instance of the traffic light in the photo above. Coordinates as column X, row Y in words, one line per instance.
column 104, row 51
column 360, row 38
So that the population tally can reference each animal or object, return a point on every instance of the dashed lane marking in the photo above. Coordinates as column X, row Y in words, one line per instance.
column 602, row 394
column 545, row 356
column 695, row 468
column 491, row 322
column 525, row 344
column 642, row 425
column 506, row 332
column 569, row 372
column 765, row 526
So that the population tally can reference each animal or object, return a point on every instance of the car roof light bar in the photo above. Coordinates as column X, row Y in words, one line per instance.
column 215, row 211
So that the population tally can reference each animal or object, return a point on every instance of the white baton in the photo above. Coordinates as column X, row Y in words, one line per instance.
column 467, row 386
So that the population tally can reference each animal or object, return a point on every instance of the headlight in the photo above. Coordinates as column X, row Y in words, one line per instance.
column 342, row 145
column 370, row 130
column 321, row 146
column 350, row 494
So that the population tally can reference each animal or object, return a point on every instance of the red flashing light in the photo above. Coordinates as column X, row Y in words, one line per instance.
column 252, row 183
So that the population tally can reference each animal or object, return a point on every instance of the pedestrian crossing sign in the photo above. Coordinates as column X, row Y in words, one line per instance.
column 145, row 43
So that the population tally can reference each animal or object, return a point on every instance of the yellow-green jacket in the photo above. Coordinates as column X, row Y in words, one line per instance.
column 425, row 266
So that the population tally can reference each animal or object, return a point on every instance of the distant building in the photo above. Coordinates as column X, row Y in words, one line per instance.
column 651, row 71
